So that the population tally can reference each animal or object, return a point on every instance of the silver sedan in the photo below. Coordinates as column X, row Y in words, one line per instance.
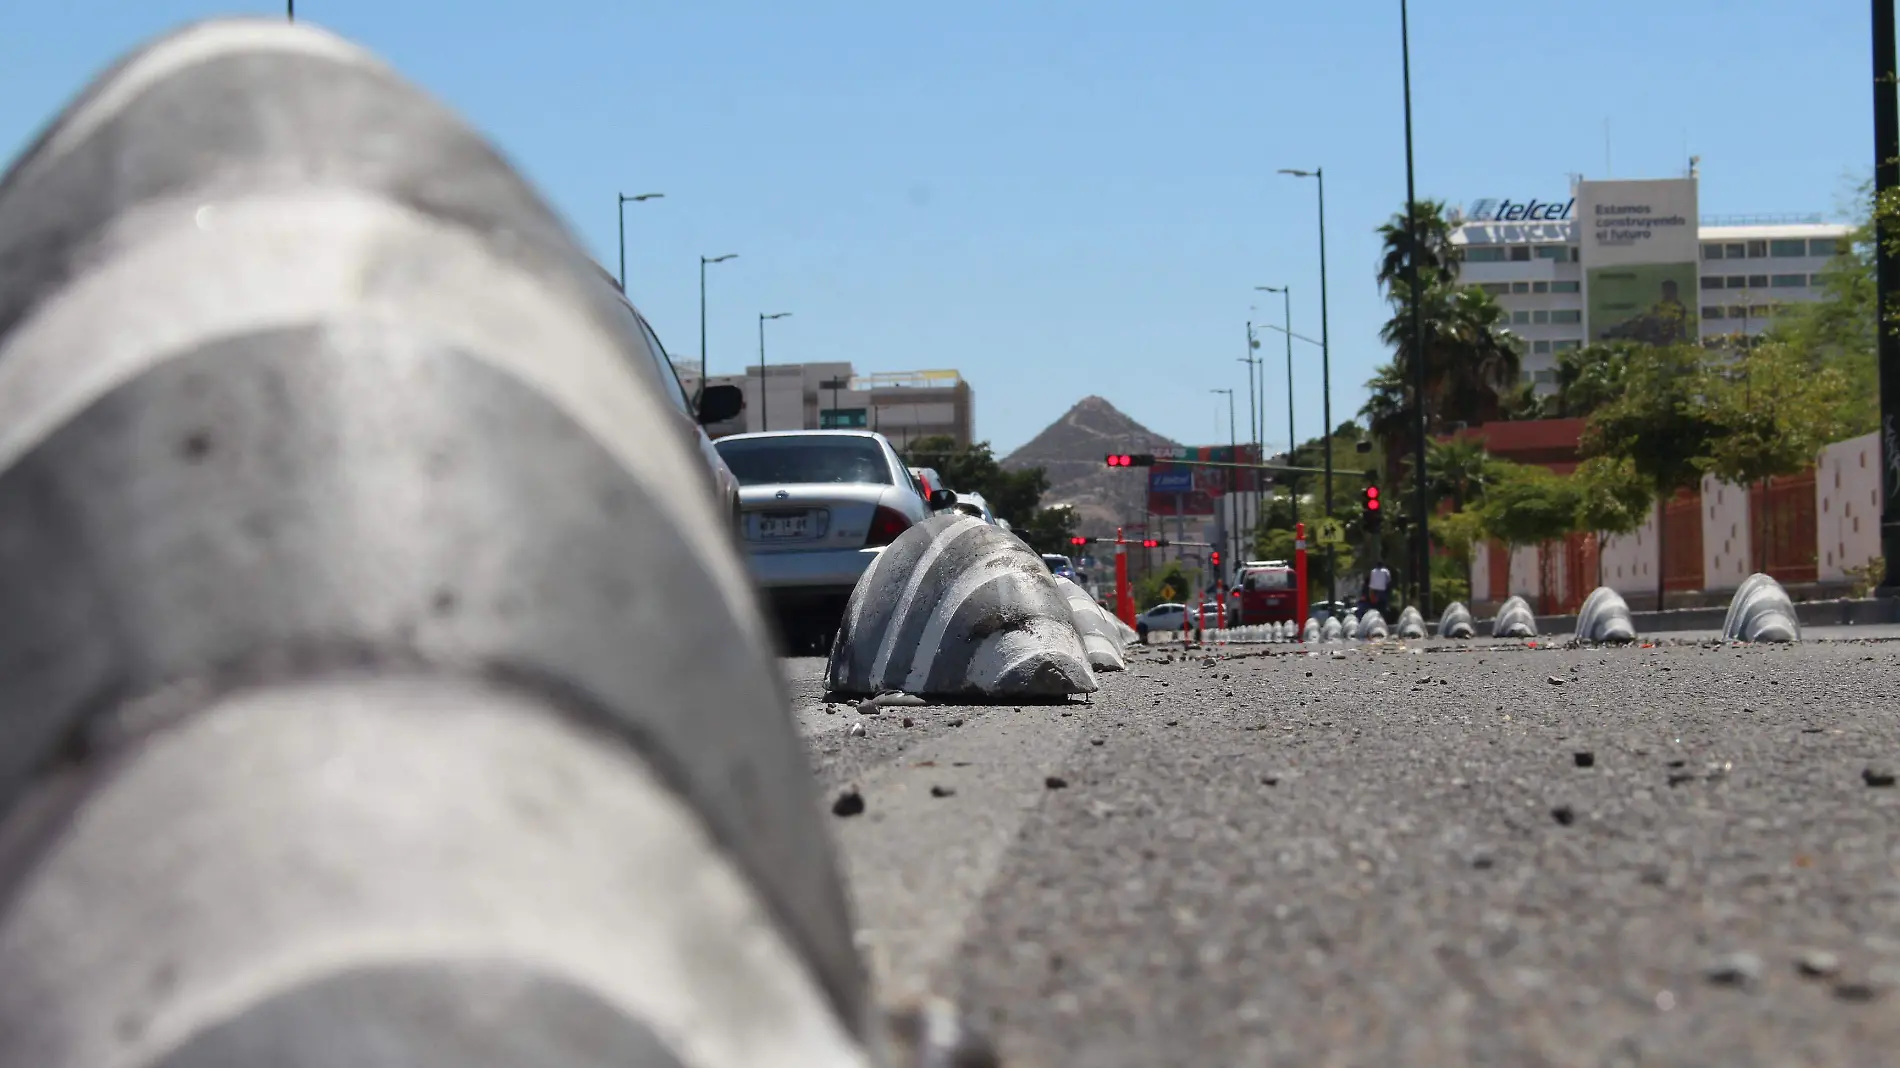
column 816, row 507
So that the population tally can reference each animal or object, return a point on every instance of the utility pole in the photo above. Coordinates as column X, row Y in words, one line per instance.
column 703, row 261
column 290, row 10
column 1422, row 531
column 1887, row 287
column 638, row 198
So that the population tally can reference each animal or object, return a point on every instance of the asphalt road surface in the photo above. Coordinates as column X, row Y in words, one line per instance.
column 1671, row 856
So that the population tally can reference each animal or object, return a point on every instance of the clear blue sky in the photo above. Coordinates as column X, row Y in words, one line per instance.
column 1064, row 198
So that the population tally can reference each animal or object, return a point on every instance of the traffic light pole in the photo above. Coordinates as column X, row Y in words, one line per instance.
column 1887, row 287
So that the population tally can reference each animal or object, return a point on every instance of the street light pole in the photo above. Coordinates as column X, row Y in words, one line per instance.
column 1422, row 520
column 703, row 261
column 1292, row 436
column 290, row 10
column 1325, row 372
column 624, row 199
column 763, row 425
column 1887, row 287
column 1233, row 536
column 1253, row 424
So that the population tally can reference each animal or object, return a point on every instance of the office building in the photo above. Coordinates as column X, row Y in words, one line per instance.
column 903, row 406
column 1634, row 260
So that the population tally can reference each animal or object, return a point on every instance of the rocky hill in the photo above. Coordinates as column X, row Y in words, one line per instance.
column 1070, row 451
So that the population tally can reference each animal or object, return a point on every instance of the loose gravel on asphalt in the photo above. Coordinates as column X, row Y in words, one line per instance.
column 1683, row 855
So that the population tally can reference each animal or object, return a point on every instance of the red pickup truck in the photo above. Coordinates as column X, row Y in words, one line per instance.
column 1263, row 593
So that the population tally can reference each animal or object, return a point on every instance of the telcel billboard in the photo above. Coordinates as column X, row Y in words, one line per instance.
column 1638, row 245
column 1493, row 209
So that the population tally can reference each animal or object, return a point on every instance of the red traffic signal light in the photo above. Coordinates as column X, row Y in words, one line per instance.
column 1131, row 459
column 1214, row 558
column 1078, row 541
column 1154, row 543
column 1372, row 498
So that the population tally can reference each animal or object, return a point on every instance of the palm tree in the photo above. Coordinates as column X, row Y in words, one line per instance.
column 1471, row 361
column 1438, row 259
column 1459, row 468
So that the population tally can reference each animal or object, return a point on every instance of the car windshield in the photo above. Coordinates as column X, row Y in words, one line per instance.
column 1269, row 580
column 794, row 460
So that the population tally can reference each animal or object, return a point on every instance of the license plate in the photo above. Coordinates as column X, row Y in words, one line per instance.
column 783, row 526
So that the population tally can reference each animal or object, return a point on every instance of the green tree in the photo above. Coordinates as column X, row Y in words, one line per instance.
column 1527, row 505
column 1439, row 257
column 1151, row 589
column 1589, row 378
column 1838, row 331
column 1661, row 425
column 1472, row 361
column 1612, row 499
column 1049, row 529
column 1774, row 412
column 1012, row 495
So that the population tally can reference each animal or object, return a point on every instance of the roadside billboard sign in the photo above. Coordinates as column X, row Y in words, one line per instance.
column 1638, row 247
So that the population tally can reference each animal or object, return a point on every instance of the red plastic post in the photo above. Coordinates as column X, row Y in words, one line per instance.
column 1299, row 575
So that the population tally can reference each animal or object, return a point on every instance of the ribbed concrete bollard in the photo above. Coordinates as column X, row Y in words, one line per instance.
column 381, row 683
column 954, row 608
column 1411, row 623
column 1100, row 641
column 1514, row 620
column 1332, row 630
column 1311, row 631
column 1371, row 626
column 1760, row 611
column 1456, row 622
column 1605, row 618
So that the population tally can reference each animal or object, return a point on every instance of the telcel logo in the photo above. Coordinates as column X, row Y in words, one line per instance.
column 1490, row 209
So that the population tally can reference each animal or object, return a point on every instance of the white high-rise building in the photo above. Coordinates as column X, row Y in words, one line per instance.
column 1606, row 260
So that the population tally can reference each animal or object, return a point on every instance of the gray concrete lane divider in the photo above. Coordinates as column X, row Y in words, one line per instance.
column 1371, row 626
column 1456, row 622
column 956, row 607
column 1605, row 618
column 1411, row 623
column 1310, row 631
column 1100, row 640
column 380, row 677
column 1514, row 620
column 1761, row 612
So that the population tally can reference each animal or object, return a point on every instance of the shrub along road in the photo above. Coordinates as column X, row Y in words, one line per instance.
column 1482, row 854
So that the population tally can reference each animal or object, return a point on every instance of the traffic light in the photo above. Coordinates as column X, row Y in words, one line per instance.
column 1131, row 459
column 1078, row 540
column 1154, row 543
column 1213, row 558
column 1375, row 514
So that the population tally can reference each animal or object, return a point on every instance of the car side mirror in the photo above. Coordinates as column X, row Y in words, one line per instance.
column 720, row 403
column 942, row 498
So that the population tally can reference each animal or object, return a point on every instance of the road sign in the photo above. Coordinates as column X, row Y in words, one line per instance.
column 1167, row 593
column 1329, row 532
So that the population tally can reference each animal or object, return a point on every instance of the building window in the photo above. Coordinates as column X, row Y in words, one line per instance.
column 1737, row 311
column 1540, row 287
column 1546, row 377
column 1496, row 289
column 1711, row 281
column 1757, row 249
column 1712, row 311
column 1817, row 279
column 1762, row 311
column 1520, row 253
column 1540, row 317
column 1736, row 281
column 1789, row 281
column 1564, row 287
column 1484, row 254
column 1540, row 348
column 1566, row 315
column 1520, row 318
column 1823, row 246
column 1734, row 251
column 1756, row 281
column 1712, row 251
column 1576, row 255
column 1788, row 247
column 1520, row 287
column 1560, row 253
column 843, row 418
column 1565, row 344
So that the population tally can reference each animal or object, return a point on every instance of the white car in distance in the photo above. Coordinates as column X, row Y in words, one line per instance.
column 816, row 507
